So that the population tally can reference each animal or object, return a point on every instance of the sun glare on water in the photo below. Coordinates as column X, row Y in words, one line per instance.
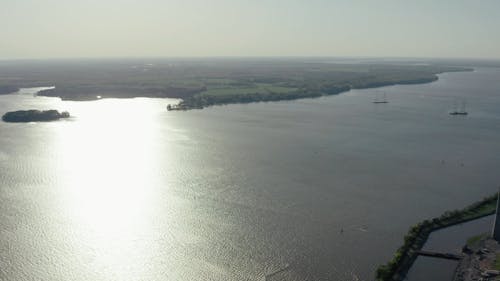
column 106, row 161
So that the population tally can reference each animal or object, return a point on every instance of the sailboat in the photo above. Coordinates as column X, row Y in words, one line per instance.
column 460, row 111
column 384, row 100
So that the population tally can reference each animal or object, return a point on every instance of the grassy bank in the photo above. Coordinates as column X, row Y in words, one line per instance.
column 416, row 237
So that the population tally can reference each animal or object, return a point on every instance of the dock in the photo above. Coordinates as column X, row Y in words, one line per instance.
column 448, row 256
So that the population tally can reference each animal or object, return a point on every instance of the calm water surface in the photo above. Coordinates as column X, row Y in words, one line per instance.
column 125, row 190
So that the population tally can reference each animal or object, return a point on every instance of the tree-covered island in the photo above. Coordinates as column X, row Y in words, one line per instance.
column 34, row 115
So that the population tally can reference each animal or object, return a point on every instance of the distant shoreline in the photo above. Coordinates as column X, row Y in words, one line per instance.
column 199, row 102
column 200, row 85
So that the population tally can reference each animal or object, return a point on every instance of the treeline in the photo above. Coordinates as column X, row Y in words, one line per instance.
column 198, row 101
column 416, row 237
column 383, row 83
column 91, row 92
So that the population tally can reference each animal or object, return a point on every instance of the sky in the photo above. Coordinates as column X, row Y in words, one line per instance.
column 248, row 28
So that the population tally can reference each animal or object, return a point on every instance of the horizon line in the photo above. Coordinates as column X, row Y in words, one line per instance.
column 250, row 57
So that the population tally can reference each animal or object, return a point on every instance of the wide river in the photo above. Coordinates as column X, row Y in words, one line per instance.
column 314, row 189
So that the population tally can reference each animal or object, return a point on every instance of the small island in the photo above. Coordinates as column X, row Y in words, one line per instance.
column 34, row 115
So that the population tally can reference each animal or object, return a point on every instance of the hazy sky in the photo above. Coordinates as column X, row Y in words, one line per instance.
column 171, row 28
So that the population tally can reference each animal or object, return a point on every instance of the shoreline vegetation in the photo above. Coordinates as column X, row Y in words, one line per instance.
column 397, row 268
column 200, row 83
column 33, row 115
column 202, row 100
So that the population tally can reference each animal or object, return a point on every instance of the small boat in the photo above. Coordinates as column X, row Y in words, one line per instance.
column 460, row 111
column 276, row 272
column 384, row 100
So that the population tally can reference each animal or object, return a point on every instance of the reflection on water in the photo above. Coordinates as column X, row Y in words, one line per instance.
column 425, row 269
column 125, row 190
column 106, row 163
